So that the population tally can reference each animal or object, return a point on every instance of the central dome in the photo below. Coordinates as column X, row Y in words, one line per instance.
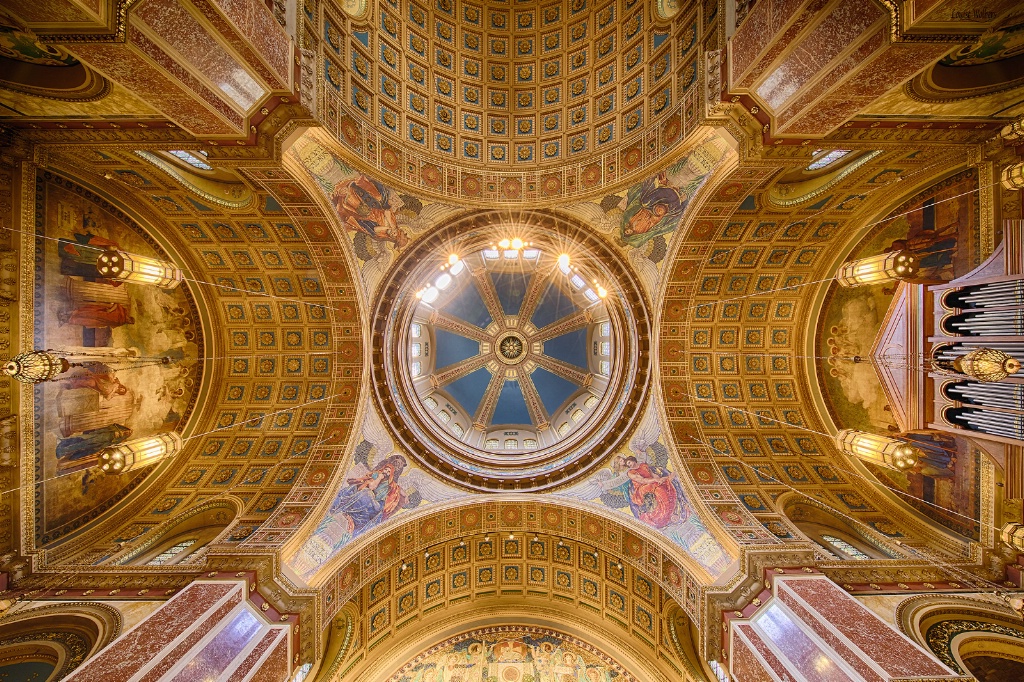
column 509, row 350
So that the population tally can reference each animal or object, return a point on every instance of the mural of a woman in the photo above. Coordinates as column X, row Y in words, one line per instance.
column 364, row 205
column 651, row 208
column 78, row 256
column 90, row 442
column 367, row 499
column 374, row 497
column 654, row 494
column 100, row 378
column 97, row 315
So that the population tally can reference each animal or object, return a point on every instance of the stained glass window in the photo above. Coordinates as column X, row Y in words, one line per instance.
column 845, row 547
column 191, row 159
column 826, row 159
column 171, row 552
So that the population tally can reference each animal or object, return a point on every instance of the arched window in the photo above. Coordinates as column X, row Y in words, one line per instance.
column 171, row 552
column 844, row 547
column 826, row 159
column 835, row 535
column 191, row 159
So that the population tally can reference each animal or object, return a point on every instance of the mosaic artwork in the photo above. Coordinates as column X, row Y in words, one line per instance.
column 641, row 482
column 379, row 220
column 512, row 654
column 946, row 483
column 131, row 392
column 380, row 484
column 935, row 226
column 642, row 218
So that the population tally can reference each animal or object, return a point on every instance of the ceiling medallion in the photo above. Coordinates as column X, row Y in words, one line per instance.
column 512, row 349
column 510, row 352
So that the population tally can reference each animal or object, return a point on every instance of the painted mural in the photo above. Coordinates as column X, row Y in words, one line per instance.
column 512, row 654
column 643, row 218
column 129, row 391
column 641, row 482
column 939, row 227
column 991, row 65
column 945, row 485
column 379, row 220
column 380, row 484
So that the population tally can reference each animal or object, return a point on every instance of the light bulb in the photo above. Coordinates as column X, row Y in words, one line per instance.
column 453, row 259
column 504, row 243
column 601, row 291
column 563, row 263
column 517, row 243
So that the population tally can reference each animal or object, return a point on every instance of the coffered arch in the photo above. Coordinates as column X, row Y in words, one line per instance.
column 531, row 579
column 287, row 351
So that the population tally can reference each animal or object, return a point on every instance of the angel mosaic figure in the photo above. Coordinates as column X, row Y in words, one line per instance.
column 369, row 497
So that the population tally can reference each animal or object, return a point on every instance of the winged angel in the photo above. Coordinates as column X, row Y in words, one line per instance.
column 372, row 491
column 641, row 481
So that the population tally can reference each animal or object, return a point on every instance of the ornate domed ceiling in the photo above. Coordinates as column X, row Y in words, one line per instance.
column 508, row 348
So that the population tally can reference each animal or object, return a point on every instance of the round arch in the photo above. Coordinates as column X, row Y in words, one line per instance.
column 511, row 580
column 972, row 636
column 52, row 641
column 832, row 533
column 183, row 537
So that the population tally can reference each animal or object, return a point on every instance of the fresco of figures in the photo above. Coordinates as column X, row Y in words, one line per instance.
column 512, row 654
column 641, row 482
column 128, row 391
column 935, row 227
column 379, row 220
column 643, row 218
column 380, row 483
column 946, row 483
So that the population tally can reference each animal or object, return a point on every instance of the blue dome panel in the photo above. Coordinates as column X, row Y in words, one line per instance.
column 553, row 389
column 511, row 407
column 450, row 348
column 511, row 288
column 554, row 305
column 570, row 347
column 467, row 305
column 469, row 390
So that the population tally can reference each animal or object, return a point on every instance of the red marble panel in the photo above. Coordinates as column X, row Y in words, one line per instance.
column 242, row 47
column 256, row 23
column 182, row 648
column 894, row 66
column 190, row 39
column 274, row 636
column 197, row 88
column 39, row 13
column 783, row 35
column 830, row 637
column 825, row 116
column 776, row 625
column 750, row 39
column 216, row 655
column 815, row 51
column 833, row 76
column 745, row 663
column 129, row 69
column 887, row 647
column 275, row 668
column 122, row 659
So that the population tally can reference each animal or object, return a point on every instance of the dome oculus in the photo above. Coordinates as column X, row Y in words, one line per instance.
column 509, row 358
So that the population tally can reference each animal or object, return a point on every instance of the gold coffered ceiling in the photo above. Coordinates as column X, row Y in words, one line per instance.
column 510, row 85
